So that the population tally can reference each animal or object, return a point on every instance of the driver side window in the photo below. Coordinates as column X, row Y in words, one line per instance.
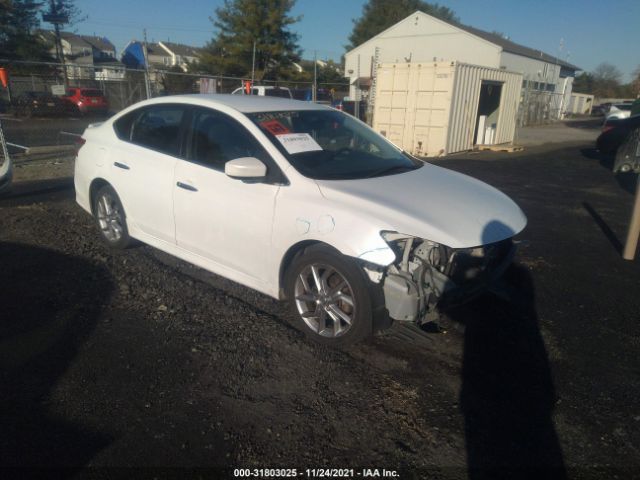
column 216, row 139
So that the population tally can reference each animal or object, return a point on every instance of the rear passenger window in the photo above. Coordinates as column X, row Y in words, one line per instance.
column 158, row 128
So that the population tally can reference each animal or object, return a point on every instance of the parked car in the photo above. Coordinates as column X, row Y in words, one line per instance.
column 619, row 138
column 300, row 202
column 619, row 110
column 30, row 104
column 323, row 95
column 349, row 106
column 87, row 101
column 614, row 132
column 265, row 91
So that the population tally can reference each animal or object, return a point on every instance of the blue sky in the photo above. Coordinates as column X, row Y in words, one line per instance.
column 591, row 31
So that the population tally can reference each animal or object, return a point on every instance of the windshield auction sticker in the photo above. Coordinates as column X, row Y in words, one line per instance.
column 275, row 127
column 298, row 143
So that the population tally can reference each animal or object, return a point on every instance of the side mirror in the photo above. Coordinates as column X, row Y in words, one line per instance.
column 248, row 168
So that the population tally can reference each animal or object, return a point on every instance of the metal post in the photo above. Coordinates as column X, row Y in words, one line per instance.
column 6, row 170
column 314, row 88
column 357, row 100
column 633, row 234
column 253, row 65
column 147, row 84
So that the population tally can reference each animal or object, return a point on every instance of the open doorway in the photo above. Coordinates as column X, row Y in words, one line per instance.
column 488, row 112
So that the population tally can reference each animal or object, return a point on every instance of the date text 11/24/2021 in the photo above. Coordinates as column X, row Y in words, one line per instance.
column 314, row 473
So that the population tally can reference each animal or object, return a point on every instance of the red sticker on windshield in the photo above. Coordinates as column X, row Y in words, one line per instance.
column 274, row 127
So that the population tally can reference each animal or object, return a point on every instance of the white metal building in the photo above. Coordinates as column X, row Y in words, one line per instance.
column 580, row 104
column 423, row 38
column 435, row 108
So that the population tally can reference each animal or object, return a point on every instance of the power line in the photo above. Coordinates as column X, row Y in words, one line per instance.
column 153, row 27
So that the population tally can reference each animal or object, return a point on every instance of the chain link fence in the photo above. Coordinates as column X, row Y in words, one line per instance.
column 539, row 104
column 50, row 104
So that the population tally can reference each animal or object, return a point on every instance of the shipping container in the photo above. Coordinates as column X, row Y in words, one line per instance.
column 431, row 109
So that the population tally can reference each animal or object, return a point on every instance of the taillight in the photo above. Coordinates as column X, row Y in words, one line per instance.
column 339, row 107
column 606, row 128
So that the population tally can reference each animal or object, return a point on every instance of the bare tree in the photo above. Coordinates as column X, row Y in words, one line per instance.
column 606, row 80
column 635, row 83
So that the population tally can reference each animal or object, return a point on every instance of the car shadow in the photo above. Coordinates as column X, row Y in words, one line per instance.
column 606, row 230
column 49, row 305
column 586, row 123
column 33, row 191
column 507, row 394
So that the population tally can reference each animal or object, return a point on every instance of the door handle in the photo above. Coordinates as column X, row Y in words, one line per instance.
column 186, row 186
column 121, row 165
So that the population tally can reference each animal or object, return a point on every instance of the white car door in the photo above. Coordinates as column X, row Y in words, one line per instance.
column 143, row 166
column 225, row 220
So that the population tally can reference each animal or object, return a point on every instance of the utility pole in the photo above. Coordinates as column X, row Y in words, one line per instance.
column 56, row 19
column 314, row 89
column 253, row 65
column 147, row 84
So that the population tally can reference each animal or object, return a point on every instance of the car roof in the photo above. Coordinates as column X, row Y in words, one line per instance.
column 242, row 103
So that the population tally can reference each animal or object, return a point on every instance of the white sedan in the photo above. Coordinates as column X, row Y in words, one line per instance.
column 298, row 201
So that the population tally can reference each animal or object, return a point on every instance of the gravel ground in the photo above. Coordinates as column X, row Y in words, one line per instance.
column 135, row 359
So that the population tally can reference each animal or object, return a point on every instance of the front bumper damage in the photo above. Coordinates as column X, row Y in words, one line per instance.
column 422, row 283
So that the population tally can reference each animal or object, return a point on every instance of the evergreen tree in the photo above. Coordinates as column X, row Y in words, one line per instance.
column 378, row 15
column 583, row 83
column 18, row 24
column 240, row 23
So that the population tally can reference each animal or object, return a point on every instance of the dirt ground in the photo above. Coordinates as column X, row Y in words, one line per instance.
column 136, row 360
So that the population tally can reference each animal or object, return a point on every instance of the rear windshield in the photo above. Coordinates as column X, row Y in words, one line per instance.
column 91, row 93
column 623, row 106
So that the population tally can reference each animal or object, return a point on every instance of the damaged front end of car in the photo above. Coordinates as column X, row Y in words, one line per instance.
column 427, row 277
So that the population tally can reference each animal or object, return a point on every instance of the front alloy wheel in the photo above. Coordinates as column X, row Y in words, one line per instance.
column 325, row 300
column 330, row 296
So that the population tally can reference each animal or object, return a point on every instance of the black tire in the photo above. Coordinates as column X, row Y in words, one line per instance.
column 626, row 157
column 110, row 218
column 357, row 285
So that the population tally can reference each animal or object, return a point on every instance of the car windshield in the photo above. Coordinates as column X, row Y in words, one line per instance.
column 623, row 106
column 323, row 145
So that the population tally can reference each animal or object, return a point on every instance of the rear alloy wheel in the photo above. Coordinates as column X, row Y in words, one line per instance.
column 330, row 297
column 110, row 218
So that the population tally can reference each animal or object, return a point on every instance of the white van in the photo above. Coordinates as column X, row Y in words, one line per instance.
column 265, row 91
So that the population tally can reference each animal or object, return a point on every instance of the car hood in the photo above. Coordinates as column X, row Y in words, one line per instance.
column 432, row 203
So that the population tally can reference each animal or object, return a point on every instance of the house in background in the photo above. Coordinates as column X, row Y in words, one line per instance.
column 421, row 38
column 97, row 54
column 161, row 55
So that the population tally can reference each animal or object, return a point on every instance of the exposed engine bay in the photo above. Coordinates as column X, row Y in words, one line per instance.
column 427, row 277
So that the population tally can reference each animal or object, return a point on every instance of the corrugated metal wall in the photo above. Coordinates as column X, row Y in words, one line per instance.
column 464, row 107
column 431, row 108
column 412, row 105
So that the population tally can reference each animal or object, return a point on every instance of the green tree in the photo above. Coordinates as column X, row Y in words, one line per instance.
column 378, row 15
column 583, row 83
column 240, row 23
column 18, row 24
